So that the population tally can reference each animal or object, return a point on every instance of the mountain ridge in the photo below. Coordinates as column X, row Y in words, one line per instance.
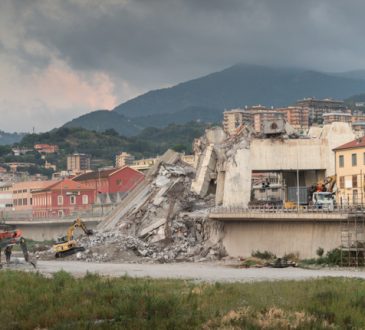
column 205, row 98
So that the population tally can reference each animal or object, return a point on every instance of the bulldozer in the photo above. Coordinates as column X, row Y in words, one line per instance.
column 10, row 236
column 66, row 245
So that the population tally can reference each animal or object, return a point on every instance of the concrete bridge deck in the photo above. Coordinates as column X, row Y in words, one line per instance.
column 280, row 215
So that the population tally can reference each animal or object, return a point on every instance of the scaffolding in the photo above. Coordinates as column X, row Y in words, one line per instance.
column 353, row 240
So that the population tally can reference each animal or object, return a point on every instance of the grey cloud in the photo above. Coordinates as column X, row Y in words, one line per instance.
column 154, row 43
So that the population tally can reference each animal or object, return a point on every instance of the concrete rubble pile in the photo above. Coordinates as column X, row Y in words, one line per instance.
column 160, row 221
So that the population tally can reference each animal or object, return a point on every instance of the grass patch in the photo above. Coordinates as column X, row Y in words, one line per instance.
column 30, row 301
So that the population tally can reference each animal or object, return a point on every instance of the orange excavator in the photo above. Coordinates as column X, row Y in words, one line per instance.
column 10, row 236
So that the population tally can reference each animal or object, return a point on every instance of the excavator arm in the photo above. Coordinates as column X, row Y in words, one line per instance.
column 69, row 246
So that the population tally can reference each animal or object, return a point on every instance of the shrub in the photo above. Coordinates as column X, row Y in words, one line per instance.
column 266, row 255
column 320, row 252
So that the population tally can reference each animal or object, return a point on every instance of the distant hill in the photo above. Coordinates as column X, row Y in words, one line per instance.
column 105, row 145
column 101, row 120
column 204, row 99
column 10, row 138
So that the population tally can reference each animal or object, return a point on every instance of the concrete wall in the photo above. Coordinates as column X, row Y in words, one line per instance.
column 241, row 238
column 51, row 230
column 281, row 155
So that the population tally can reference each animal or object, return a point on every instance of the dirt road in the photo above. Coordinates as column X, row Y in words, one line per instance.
column 197, row 271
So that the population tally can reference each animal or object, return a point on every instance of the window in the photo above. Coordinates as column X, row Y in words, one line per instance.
column 31, row 201
column 25, row 201
column 85, row 199
column 60, row 200
column 364, row 158
column 354, row 159
column 119, row 182
column 342, row 182
column 72, row 199
column 354, row 181
column 341, row 161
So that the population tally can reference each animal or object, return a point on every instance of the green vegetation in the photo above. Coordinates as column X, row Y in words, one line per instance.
column 102, row 146
column 32, row 301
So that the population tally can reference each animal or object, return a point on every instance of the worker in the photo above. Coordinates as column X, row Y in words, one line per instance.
column 8, row 253
column 24, row 248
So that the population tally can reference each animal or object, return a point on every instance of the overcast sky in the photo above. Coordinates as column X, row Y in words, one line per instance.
column 63, row 58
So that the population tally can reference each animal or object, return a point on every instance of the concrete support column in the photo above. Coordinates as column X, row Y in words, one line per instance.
column 220, row 188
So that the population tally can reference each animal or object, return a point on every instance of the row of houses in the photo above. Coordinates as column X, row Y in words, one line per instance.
column 64, row 197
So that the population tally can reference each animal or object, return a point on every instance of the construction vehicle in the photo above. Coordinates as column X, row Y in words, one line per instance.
column 10, row 236
column 323, row 195
column 66, row 245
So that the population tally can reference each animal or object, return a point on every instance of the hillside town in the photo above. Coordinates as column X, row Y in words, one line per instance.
column 79, row 190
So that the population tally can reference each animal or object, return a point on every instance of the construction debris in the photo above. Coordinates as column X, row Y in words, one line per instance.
column 160, row 220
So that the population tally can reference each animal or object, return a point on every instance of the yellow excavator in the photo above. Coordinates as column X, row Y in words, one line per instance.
column 66, row 245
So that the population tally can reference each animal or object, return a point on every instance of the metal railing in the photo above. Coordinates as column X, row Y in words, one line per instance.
column 281, row 209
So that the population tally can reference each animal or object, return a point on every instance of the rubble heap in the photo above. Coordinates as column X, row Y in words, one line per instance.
column 160, row 221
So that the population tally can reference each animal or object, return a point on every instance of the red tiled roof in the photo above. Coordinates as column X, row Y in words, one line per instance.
column 66, row 185
column 99, row 174
column 358, row 143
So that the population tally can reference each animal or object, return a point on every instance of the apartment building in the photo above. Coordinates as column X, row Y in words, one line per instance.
column 124, row 159
column 350, row 172
column 232, row 119
column 298, row 117
column 331, row 117
column 358, row 117
column 78, row 163
column 319, row 107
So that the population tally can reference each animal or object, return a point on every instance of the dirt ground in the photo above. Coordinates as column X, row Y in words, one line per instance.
column 215, row 271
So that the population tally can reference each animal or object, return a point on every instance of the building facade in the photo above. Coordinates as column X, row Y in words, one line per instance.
column 331, row 117
column 22, row 193
column 63, row 198
column 350, row 172
column 111, row 181
column 78, row 163
column 233, row 119
column 319, row 107
column 298, row 117
column 124, row 159
column 46, row 148
column 6, row 195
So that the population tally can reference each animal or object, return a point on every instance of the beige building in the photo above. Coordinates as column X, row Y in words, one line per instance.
column 78, row 162
column 124, row 159
column 350, row 171
column 22, row 193
column 331, row 117
column 143, row 165
column 234, row 118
